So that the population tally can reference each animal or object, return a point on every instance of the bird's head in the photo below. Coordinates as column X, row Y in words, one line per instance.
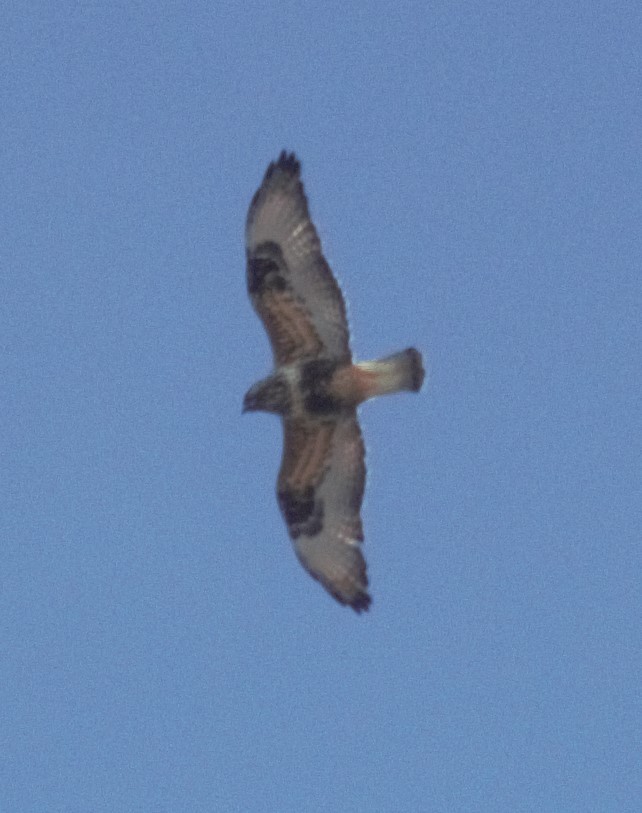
column 272, row 394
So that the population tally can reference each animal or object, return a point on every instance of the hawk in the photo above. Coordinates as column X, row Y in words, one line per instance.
column 315, row 387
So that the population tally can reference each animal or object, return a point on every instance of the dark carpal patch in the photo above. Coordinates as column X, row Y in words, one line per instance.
column 315, row 379
column 265, row 269
column 303, row 514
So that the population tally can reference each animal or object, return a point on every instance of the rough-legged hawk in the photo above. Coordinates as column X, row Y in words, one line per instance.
column 315, row 386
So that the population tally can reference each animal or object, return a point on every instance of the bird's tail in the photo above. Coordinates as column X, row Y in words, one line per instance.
column 401, row 371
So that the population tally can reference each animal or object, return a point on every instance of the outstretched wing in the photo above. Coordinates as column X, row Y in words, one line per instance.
column 290, row 284
column 320, row 490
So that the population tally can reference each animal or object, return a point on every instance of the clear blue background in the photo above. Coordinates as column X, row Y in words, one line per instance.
column 475, row 173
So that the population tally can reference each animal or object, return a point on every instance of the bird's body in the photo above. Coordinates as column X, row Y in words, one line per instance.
column 327, row 388
column 315, row 386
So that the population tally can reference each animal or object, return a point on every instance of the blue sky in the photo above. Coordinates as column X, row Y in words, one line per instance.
column 474, row 171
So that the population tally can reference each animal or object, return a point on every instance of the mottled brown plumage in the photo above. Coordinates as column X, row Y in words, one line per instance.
column 315, row 386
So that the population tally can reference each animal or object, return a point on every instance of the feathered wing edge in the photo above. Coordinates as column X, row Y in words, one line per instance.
column 285, row 262
column 320, row 490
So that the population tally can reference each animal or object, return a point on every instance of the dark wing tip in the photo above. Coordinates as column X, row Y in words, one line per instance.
column 287, row 163
column 361, row 603
column 354, row 595
column 280, row 172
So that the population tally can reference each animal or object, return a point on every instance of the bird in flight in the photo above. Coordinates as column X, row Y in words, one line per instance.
column 315, row 386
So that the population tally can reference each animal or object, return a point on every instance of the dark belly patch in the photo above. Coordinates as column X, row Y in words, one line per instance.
column 316, row 376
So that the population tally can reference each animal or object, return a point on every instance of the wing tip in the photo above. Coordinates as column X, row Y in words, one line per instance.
column 355, row 596
column 361, row 603
column 287, row 163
